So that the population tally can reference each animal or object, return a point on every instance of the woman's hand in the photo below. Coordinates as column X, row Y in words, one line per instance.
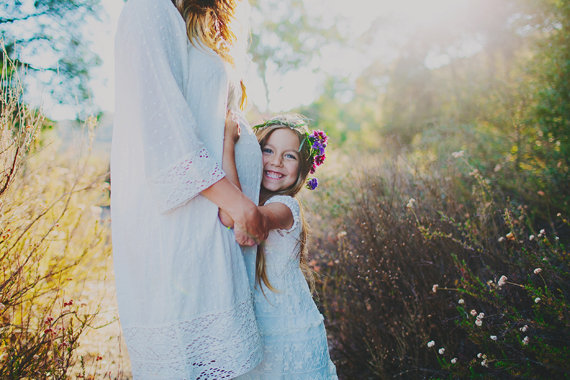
column 232, row 131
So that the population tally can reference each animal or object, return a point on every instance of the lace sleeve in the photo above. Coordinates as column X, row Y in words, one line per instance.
column 293, row 205
column 151, row 61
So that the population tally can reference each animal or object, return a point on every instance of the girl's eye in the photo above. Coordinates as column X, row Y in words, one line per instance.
column 291, row 156
column 267, row 150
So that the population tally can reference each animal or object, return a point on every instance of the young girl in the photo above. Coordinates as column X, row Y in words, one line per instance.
column 291, row 327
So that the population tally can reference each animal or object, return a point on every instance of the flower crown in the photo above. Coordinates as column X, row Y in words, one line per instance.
column 316, row 141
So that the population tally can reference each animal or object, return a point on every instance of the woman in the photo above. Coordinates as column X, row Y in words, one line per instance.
column 184, row 298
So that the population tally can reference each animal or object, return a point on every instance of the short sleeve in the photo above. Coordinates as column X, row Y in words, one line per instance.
column 151, row 64
column 293, row 205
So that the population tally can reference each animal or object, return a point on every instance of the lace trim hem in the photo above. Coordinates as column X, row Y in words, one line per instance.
column 219, row 345
column 181, row 182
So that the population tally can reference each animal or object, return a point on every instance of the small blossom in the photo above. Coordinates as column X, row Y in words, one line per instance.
column 473, row 312
column 537, row 300
column 2, row 306
column 454, row 360
column 524, row 328
column 458, row 154
column 559, row 215
column 481, row 316
column 531, row 237
column 540, row 192
column 434, row 288
column 510, row 236
column 502, row 280
column 484, row 363
column 431, row 344
column 479, row 355
column 501, row 239
column 498, row 167
column 411, row 203
column 312, row 183
column 542, row 232
column 36, row 357
column 493, row 337
column 556, row 237
column 461, row 301
column 441, row 351
column 537, row 270
column 525, row 340
column 479, row 322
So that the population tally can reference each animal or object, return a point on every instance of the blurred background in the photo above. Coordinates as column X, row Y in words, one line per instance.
column 448, row 169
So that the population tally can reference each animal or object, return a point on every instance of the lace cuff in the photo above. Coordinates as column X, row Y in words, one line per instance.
column 293, row 205
column 184, row 180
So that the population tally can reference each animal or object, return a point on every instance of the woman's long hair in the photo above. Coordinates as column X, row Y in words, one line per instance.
column 217, row 24
column 297, row 124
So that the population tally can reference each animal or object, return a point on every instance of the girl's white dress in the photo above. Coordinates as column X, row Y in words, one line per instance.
column 292, row 329
column 185, row 301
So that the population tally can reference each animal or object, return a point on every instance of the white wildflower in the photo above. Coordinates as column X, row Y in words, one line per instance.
column 411, row 203
column 537, row 270
column 481, row 316
column 454, row 360
column 461, row 301
column 501, row 239
column 36, row 357
column 524, row 328
column 531, row 237
column 484, row 363
column 431, row 344
column 537, row 300
column 434, row 288
column 441, row 351
column 556, row 237
column 502, row 281
column 458, row 154
column 493, row 337
column 542, row 232
column 479, row 322
column 473, row 312
column 479, row 355
column 525, row 340
column 559, row 215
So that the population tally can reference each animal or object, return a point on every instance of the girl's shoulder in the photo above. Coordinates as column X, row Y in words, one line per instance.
column 292, row 204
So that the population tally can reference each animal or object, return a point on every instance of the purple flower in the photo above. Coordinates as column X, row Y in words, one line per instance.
column 321, row 136
column 312, row 184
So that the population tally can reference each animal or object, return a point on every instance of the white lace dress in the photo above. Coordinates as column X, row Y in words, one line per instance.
column 292, row 329
column 185, row 302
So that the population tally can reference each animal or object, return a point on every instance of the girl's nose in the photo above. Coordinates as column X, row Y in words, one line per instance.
column 277, row 161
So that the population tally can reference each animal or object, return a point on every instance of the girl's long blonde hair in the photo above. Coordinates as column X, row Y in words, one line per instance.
column 297, row 124
column 213, row 24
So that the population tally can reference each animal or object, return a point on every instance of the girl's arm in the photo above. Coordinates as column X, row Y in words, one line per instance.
column 232, row 133
column 278, row 216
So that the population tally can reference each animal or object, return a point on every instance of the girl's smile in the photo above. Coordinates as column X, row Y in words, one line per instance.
column 280, row 160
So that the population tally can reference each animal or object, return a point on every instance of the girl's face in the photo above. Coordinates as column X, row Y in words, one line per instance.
column 280, row 160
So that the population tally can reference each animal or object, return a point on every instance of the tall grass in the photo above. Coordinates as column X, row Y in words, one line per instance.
column 53, row 244
column 412, row 259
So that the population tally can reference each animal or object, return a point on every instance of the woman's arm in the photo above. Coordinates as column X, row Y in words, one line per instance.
column 232, row 134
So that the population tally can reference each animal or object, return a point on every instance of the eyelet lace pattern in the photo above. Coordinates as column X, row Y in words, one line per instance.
column 291, row 327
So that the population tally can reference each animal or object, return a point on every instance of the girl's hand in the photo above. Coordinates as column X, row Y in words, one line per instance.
column 232, row 131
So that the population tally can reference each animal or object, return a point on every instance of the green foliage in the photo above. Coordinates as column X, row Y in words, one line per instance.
column 47, row 39
column 381, row 254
